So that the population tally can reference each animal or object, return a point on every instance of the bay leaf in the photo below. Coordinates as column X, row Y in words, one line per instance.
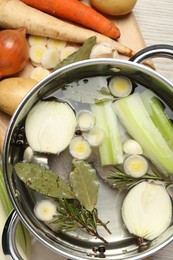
column 43, row 180
column 84, row 184
column 83, row 53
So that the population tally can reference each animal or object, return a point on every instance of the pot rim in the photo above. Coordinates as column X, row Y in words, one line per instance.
column 20, row 108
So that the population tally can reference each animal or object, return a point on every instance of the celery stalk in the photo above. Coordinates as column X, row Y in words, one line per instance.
column 139, row 125
column 111, row 149
column 158, row 115
column 2, row 223
column 23, row 239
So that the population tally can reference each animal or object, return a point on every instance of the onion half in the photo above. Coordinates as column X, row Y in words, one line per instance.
column 147, row 210
column 50, row 126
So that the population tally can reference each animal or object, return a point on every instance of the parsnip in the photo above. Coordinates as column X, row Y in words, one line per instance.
column 12, row 91
column 16, row 14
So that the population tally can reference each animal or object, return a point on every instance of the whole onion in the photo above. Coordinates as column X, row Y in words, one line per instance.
column 14, row 51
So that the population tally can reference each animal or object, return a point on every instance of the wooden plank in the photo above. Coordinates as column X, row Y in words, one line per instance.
column 130, row 32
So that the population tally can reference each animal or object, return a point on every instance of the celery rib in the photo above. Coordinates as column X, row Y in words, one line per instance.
column 22, row 234
column 139, row 125
column 111, row 149
column 158, row 116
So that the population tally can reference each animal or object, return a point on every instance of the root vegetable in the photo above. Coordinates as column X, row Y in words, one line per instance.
column 16, row 14
column 12, row 91
column 78, row 12
column 114, row 7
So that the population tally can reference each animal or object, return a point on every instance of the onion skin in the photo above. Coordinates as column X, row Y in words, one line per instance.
column 14, row 51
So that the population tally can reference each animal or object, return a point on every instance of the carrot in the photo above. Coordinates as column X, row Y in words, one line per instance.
column 15, row 14
column 77, row 12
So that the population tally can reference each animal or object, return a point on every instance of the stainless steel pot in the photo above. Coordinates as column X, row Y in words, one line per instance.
column 121, row 244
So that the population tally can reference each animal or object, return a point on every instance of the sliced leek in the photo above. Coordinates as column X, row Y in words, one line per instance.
column 55, row 43
column 79, row 148
column 45, row 210
column 39, row 73
column 96, row 136
column 36, row 53
column 120, row 86
column 86, row 120
column 50, row 58
column 139, row 125
column 37, row 40
column 135, row 165
column 130, row 146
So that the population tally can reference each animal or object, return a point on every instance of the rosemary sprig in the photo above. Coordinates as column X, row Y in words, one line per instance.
column 122, row 180
column 72, row 216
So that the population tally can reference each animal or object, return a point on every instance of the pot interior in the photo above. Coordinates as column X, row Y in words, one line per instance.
column 78, row 245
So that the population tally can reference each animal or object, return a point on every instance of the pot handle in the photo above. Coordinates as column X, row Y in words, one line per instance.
column 158, row 50
column 8, row 237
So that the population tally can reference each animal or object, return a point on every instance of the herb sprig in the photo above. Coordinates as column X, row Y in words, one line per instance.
column 76, row 199
column 123, row 181
column 73, row 216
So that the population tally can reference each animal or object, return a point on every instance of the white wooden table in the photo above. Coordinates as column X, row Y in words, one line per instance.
column 155, row 19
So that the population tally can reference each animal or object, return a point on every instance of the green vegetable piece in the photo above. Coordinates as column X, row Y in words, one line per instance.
column 23, row 238
column 139, row 125
column 84, row 184
column 111, row 150
column 82, row 54
column 158, row 115
column 43, row 180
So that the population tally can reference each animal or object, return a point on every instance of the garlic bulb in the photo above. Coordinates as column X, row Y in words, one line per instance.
column 103, row 50
column 147, row 210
